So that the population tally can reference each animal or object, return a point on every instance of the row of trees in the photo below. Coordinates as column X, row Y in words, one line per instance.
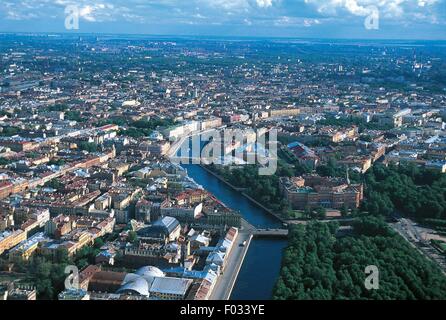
column 9, row 131
column 318, row 264
column 419, row 192
column 74, row 116
column 4, row 161
column 264, row 189
column 143, row 128
column 88, row 146
column 55, row 184
column 349, row 121
column 333, row 169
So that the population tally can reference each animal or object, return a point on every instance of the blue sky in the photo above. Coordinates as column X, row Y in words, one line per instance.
column 401, row 19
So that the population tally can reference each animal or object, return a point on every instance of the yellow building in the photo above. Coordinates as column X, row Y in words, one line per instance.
column 9, row 239
column 26, row 248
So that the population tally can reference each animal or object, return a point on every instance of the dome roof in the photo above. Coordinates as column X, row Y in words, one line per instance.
column 149, row 271
column 140, row 281
column 138, row 285
column 129, row 277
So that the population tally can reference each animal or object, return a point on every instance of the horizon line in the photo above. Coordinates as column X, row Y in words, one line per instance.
column 260, row 37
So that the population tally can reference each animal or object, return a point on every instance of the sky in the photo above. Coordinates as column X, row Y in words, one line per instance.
column 365, row 19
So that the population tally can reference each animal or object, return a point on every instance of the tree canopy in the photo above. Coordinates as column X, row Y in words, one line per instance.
column 415, row 191
column 318, row 264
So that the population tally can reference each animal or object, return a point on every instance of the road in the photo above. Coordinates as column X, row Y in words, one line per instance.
column 225, row 283
column 410, row 231
column 304, row 222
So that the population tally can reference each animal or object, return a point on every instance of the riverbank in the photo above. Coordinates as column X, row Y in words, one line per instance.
column 226, row 282
column 264, row 257
column 220, row 178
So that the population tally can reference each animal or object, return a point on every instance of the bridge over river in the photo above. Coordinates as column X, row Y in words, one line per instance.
column 264, row 232
column 271, row 233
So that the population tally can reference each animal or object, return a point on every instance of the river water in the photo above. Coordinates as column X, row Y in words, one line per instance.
column 261, row 266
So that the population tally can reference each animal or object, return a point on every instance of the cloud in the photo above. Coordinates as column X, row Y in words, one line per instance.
column 311, row 22
column 286, row 21
column 229, row 13
column 245, row 5
column 89, row 10
column 225, row 4
column 264, row 3
column 355, row 8
column 86, row 13
column 391, row 9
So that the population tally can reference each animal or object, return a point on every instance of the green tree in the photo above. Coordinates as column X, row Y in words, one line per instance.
column 321, row 213
column 344, row 211
column 88, row 146
column 132, row 237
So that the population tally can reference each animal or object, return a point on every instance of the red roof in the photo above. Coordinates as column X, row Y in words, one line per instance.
column 5, row 184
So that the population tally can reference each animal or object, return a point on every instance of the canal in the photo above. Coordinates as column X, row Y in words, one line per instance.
column 261, row 266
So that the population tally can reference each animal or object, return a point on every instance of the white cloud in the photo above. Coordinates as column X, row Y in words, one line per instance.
column 286, row 21
column 311, row 22
column 388, row 8
column 355, row 8
column 264, row 3
column 226, row 4
column 237, row 4
column 228, row 12
column 86, row 13
column 89, row 10
column 423, row 3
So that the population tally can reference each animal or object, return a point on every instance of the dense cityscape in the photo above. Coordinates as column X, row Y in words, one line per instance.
column 92, row 126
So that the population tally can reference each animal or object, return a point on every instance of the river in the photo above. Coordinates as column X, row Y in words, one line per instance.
column 262, row 263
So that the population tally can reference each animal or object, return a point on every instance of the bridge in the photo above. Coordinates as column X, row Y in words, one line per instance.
column 270, row 233
column 264, row 233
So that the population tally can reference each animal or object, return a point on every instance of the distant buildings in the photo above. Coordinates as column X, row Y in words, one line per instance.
column 393, row 119
column 284, row 112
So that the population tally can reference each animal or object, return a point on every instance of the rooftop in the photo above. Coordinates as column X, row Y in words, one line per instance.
column 168, row 285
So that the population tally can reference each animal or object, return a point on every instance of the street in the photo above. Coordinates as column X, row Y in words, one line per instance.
column 226, row 281
column 413, row 233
